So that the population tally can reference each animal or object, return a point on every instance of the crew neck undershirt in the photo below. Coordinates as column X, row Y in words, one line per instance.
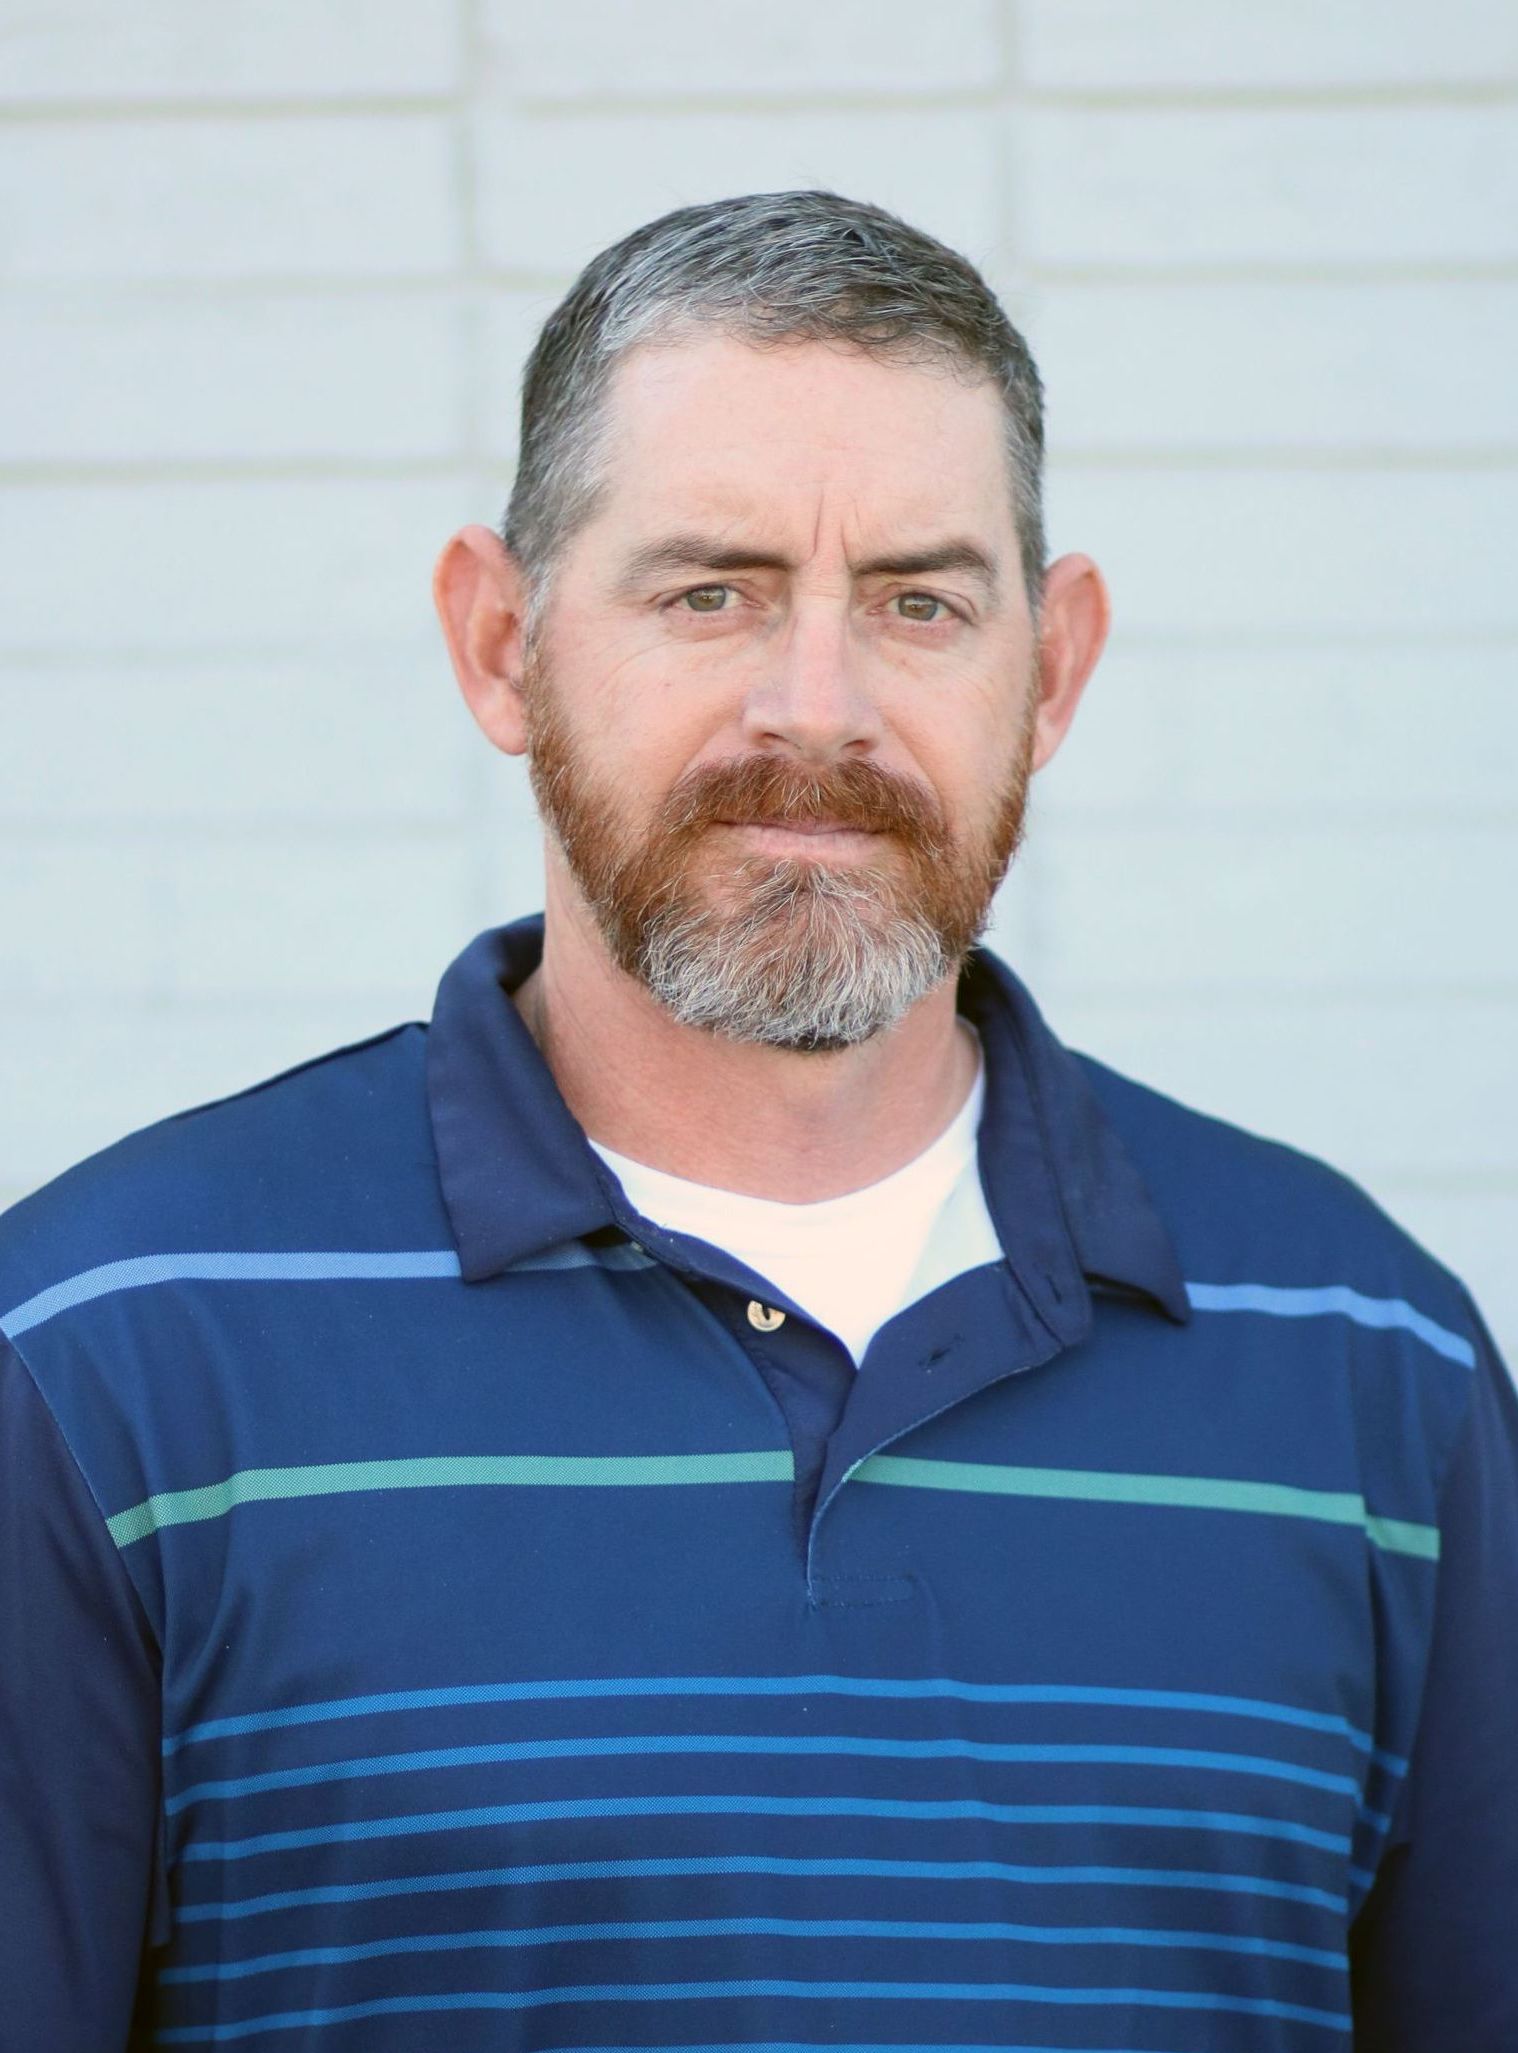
column 850, row 1262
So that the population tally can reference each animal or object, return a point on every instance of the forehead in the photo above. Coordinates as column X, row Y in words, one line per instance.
column 722, row 429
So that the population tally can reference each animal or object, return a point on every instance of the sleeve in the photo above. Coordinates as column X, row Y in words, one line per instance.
column 1434, row 1951
column 81, row 1882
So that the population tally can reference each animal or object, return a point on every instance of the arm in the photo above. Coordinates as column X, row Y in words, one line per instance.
column 80, row 1879
column 1434, row 1952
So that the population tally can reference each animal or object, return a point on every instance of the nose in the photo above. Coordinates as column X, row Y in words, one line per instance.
column 813, row 695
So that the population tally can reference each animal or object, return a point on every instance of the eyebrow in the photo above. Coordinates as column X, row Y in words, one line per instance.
column 704, row 552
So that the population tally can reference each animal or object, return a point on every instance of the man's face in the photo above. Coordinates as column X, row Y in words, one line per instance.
column 780, row 710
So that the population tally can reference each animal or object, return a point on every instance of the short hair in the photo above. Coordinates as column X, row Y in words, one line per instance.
column 766, row 267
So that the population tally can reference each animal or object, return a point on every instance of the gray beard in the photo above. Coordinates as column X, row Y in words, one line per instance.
column 811, row 962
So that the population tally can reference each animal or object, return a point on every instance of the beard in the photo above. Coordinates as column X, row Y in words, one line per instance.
column 790, row 952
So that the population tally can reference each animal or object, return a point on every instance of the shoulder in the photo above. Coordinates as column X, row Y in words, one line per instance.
column 1296, row 1274
column 1240, row 1205
column 289, row 1161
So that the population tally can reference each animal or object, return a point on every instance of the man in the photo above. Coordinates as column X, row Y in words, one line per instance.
column 731, row 1492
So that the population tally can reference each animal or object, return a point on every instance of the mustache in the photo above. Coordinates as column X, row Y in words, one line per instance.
column 775, row 792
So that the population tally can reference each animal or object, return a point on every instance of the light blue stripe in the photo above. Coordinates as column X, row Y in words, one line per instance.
column 748, row 1928
column 350, row 1830
column 677, row 1992
column 216, row 1910
column 910, row 1688
column 619, row 1745
column 300, row 1266
column 1333, row 1299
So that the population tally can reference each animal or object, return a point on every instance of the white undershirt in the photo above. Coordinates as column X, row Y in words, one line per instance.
column 851, row 1262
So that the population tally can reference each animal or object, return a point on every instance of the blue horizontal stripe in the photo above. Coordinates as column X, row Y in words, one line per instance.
column 758, row 1744
column 350, row 1829
column 677, row 1992
column 300, row 1266
column 217, row 1909
column 579, row 1688
column 297, row 1265
column 744, row 1928
column 1333, row 1300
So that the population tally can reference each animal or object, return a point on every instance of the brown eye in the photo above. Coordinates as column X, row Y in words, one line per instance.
column 919, row 606
column 706, row 598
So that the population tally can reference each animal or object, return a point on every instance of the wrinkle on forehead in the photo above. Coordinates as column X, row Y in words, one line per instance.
column 718, row 433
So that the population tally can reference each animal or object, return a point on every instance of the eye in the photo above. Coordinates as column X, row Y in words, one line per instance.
column 705, row 598
column 921, row 607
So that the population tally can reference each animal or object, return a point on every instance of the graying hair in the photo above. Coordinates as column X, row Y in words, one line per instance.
column 766, row 268
column 805, row 965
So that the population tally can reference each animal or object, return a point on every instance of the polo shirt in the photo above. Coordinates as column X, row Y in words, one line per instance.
column 440, row 1608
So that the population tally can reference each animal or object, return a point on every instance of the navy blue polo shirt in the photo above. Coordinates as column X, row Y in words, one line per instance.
column 432, row 1613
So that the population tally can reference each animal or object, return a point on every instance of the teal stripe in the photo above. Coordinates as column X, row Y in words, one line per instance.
column 911, row 1688
column 677, row 1992
column 216, row 1909
column 1192, row 1493
column 592, row 1747
column 350, row 1830
column 1337, row 1300
column 746, row 1928
column 427, row 1472
column 444, row 1471
column 1397, row 1536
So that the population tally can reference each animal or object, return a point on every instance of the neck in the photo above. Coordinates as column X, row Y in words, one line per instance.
column 766, row 1122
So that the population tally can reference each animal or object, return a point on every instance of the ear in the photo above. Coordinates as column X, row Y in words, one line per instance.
column 481, row 596
column 1074, row 619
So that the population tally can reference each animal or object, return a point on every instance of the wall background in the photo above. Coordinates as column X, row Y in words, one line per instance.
column 267, row 275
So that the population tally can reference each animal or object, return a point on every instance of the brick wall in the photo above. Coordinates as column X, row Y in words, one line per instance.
column 267, row 275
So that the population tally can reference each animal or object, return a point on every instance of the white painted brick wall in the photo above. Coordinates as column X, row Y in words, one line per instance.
column 1198, row 46
column 1341, row 736
column 369, row 378
column 181, row 51
column 1402, row 367
column 224, row 198
column 219, row 742
column 1283, row 907
column 555, row 187
column 847, row 49
column 1331, row 188
column 247, row 563
column 1283, row 552
column 267, row 276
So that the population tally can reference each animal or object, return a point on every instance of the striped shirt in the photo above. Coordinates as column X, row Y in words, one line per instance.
column 443, row 1608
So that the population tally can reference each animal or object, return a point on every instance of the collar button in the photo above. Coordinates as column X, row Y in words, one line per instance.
column 764, row 1318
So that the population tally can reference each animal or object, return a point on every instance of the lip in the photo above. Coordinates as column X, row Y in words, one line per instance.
column 806, row 840
column 814, row 827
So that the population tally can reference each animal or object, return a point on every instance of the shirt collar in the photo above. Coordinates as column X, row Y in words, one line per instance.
column 519, row 1176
